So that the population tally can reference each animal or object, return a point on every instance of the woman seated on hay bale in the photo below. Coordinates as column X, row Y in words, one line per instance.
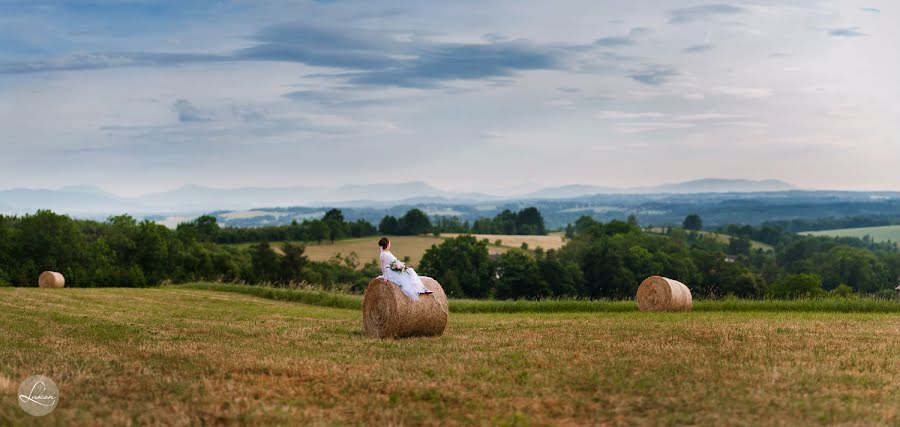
column 398, row 273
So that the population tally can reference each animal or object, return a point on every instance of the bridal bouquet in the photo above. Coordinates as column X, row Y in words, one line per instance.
column 398, row 266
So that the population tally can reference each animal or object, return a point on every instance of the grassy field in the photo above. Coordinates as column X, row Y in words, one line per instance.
column 180, row 356
column 316, row 296
column 723, row 238
column 413, row 246
column 879, row 234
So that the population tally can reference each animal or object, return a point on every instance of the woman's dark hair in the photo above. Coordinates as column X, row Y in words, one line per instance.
column 383, row 242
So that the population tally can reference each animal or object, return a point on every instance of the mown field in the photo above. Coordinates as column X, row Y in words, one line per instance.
column 414, row 247
column 178, row 356
column 879, row 234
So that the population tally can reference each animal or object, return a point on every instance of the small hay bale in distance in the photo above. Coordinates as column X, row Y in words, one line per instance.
column 658, row 293
column 388, row 313
column 51, row 279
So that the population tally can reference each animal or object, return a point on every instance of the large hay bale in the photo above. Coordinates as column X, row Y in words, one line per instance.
column 51, row 279
column 388, row 313
column 658, row 293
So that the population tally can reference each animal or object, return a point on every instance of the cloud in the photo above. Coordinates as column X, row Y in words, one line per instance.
column 708, row 117
column 698, row 48
column 621, row 41
column 870, row 10
column 187, row 112
column 638, row 127
column 694, row 117
column 654, row 75
column 328, row 47
column 688, row 14
column 744, row 92
column 628, row 115
column 616, row 41
column 444, row 62
column 845, row 32
column 108, row 60
column 382, row 59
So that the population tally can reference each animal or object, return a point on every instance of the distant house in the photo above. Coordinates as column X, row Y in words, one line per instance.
column 731, row 259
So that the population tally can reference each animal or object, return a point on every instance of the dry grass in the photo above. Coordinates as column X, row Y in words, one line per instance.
column 366, row 248
column 414, row 247
column 550, row 241
column 177, row 357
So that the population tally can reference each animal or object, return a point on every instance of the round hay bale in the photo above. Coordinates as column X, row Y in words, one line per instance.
column 51, row 279
column 388, row 313
column 658, row 293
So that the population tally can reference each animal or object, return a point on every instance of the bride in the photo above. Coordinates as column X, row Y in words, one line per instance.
column 395, row 271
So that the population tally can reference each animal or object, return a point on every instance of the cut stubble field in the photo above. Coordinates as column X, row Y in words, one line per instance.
column 366, row 248
column 180, row 356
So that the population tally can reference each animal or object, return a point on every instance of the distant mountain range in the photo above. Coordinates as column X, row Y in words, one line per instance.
column 93, row 201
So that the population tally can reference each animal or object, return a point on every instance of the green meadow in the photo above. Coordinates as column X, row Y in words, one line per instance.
column 879, row 234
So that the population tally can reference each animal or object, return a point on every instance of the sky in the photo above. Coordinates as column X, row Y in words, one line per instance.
column 140, row 96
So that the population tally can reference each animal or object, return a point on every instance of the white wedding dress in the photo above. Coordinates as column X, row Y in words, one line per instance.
column 409, row 282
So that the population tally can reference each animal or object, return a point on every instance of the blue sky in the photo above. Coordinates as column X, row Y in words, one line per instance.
column 139, row 96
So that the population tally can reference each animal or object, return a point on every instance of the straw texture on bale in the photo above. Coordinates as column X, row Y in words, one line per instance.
column 51, row 279
column 388, row 313
column 658, row 293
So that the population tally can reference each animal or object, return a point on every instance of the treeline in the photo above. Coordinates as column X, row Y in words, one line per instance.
column 333, row 226
column 599, row 260
column 124, row 252
column 528, row 221
column 610, row 260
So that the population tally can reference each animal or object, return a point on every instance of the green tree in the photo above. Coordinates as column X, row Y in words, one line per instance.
column 413, row 223
column 797, row 286
column 334, row 214
column 842, row 291
column 739, row 246
column 461, row 265
column 389, row 225
column 692, row 222
column 518, row 276
column 265, row 266
column 362, row 228
column 505, row 223
column 47, row 241
column 529, row 221
column 632, row 220
column 293, row 265
column 319, row 231
column 856, row 267
column 207, row 228
column 570, row 231
column 562, row 278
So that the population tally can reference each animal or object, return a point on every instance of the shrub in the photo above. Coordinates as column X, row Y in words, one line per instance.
column 842, row 291
column 797, row 286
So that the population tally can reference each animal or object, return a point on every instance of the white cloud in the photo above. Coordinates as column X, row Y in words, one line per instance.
column 744, row 92
column 284, row 122
column 638, row 127
column 629, row 115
